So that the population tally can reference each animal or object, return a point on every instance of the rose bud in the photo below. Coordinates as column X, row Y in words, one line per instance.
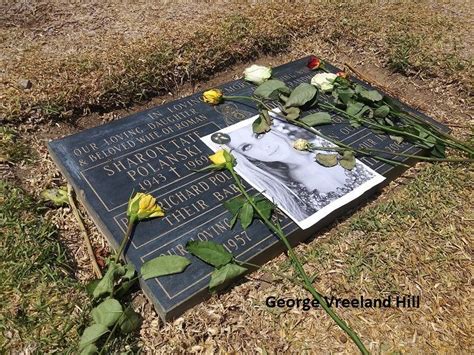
column 143, row 206
column 222, row 159
column 313, row 63
column 342, row 74
column 213, row 96
column 301, row 144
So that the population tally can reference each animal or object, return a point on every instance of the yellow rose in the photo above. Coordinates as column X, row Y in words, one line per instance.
column 218, row 158
column 212, row 97
column 222, row 158
column 143, row 206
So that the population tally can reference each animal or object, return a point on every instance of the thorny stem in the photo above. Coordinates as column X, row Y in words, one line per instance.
column 365, row 151
column 299, row 267
column 415, row 120
column 373, row 124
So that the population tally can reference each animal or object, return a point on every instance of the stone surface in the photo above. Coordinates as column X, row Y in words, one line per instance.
column 156, row 151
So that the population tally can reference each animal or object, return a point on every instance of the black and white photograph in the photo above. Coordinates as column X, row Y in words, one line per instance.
column 305, row 190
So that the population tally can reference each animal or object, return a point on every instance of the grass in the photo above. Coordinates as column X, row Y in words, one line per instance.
column 392, row 228
column 13, row 148
column 40, row 300
column 418, row 241
column 402, row 46
column 142, row 69
column 413, row 38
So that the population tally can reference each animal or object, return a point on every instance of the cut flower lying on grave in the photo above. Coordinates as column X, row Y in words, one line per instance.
column 257, row 74
column 143, row 206
column 313, row 63
column 324, row 81
column 359, row 105
column 110, row 294
column 213, row 96
column 246, row 208
column 222, row 159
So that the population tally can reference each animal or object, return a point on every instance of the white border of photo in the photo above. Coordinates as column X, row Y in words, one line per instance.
column 323, row 212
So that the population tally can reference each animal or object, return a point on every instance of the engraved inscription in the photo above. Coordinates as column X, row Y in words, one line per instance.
column 150, row 167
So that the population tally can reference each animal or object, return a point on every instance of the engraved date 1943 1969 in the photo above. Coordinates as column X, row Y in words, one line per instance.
column 154, row 179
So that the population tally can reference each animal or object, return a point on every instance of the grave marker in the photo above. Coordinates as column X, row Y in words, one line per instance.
column 157, row 151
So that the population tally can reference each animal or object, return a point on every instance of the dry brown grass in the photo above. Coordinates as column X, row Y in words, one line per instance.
column 85, row 61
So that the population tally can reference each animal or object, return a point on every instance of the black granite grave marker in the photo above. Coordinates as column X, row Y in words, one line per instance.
column 157, row 151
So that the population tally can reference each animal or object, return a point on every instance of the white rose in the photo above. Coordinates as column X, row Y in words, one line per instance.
column 257, row 74
column 324, row 81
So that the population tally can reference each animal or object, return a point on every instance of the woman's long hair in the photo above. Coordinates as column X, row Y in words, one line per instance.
column 270, row 178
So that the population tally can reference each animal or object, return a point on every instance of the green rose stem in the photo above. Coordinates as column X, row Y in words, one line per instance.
column 392, row 129
column 363, row 120
column 416, row 120
column 299, row 268
column 131, row 225
column 365, row 151
column 401, row 154
column 420, row 123
column 261, row 268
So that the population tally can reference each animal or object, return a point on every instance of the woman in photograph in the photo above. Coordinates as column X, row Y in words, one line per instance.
column 299, row 184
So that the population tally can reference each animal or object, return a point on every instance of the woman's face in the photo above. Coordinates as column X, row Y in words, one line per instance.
column 267, row 147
